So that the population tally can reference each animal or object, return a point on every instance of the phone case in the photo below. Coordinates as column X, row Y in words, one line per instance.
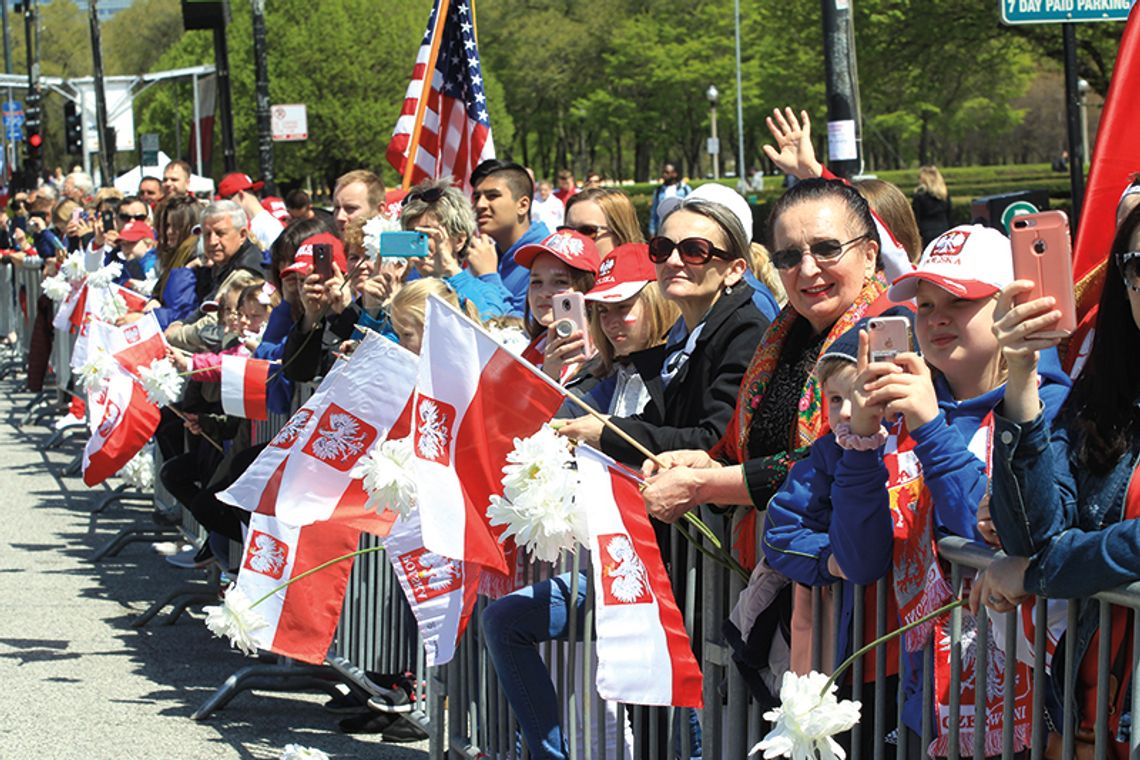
column 404, row 244
column 889, row 336
column 322, row 260
column 1042, row 252
column 572, row 306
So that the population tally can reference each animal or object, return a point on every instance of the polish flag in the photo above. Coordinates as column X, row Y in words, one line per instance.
column 304, row 474
column 473, row 398
column 134, row 345
column 440, row 591
column 303, row 616
column 244, row 384
column 126, row 421
column 644, row 654
column 71, row 309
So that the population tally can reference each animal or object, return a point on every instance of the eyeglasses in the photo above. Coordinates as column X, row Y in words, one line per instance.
column 431, row 195
column 132, row 217
column 1129, row 263
column 693, row 250
column 825, row 251
column 592, row 231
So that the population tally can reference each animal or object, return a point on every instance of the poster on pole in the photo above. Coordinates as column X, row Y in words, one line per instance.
column 289, row 122
column 120, row 111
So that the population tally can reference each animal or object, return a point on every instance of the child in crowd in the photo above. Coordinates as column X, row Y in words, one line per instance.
column 255, row 304
column 409, row 308
column 207, row 365
column 878, row 504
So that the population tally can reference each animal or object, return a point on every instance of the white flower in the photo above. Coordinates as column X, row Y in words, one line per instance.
column 235, row 619
column 806, row 721
column 297, row 752
column 372, row 229
column 511, row 338
column 57, row 288
column 538, row 506
column 103, row 277
column 98, row 369
column 73, row 268
column 139, row 472
column 162, row 382
column 113, row 306
column 388, row 478
column 147, row 285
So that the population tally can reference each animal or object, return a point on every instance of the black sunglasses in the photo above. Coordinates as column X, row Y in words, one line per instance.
column 829, row 251
column 132, row 217
column 592, row 231
column 431, row 195
column 692, row 250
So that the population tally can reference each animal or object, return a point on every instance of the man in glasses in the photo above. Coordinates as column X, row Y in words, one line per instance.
column 672, row 186
column 150, row 190
column 567, row 186
column 546, row 207
column 502, row 195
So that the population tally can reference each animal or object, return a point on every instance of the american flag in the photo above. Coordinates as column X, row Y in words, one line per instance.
column 456, row 132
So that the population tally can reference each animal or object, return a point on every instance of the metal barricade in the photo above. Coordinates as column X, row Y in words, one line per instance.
column 8, row 321
column 28, row 282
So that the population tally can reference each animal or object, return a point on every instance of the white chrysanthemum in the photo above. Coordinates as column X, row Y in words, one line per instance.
column 73, row 268
column 236, row 620
column 56, row 287
column 510, row 338
column 162, row 382
column 139, row 472
column 103, row 277
column 372, row 230
column 387, row 477
column 805, row 721
column 537, row 506
column 97, row 370
column 113, row 306
column 297, row 752
column 147, row 285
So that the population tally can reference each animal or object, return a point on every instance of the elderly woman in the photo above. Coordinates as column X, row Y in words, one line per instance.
column 700, row 258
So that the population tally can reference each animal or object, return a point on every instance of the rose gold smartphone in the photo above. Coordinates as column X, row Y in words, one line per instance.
column 571, row 307
column 1042, row 252
column 890, row 336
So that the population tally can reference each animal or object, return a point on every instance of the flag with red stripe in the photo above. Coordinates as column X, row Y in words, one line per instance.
column 244, row 385
column 472, row 399
column 133, row 346
column 644, row 654
column 302, row 617
column 124, row 420
column 455, row 126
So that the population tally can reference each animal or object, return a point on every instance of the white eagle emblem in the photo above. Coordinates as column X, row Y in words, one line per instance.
column 438, row 572
column 288, row 434
column 432, row 434
column 266, row 555
column 629, row 579
column 343, row 438
column 567, row 245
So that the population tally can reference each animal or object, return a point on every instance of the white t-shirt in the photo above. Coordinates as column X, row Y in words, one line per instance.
column 265, row 228
column 551, row 211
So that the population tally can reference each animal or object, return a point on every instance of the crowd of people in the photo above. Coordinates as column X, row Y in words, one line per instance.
column 746, row 367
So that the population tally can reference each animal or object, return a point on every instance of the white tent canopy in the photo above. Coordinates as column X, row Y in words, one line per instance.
column 129, row 181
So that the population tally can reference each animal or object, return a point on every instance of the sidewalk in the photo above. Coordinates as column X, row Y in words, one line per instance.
column 77, row 680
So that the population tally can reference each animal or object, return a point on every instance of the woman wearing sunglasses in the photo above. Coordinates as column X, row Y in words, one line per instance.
column 606, row 216
column 699, row 259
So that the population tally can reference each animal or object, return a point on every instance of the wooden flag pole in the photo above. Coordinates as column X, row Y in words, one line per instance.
column 421, row 104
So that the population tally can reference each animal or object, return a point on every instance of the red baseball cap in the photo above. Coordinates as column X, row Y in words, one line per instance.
column 303, row 259
column 234, row 183
column 623, row 273
column 135, row 231
column 572, row 248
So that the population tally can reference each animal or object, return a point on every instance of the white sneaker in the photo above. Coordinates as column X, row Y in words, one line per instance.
column 68, row 420
column 170, row 548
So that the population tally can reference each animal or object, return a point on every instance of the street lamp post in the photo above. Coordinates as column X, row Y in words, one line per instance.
column 714, row 144
column 1083, row 90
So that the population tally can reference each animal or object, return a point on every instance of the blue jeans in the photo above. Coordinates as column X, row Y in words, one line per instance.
column 512, row 629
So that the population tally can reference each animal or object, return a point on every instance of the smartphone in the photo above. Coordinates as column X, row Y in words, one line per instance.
column 570, row 307
column 890, row 336
column 322, row 260
column 404, row 244
column 108, row 220
column 92, row 260
column 1042, row 252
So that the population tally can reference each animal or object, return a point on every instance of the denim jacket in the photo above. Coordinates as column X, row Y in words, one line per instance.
column 1068, row 520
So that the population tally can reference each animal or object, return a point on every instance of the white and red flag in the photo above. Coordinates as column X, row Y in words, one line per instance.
column 644, row 653
column 444, row 119
column 123, row 421
column 473, row 398
column 133, row 346
column 302, row 617
column 304, row 474
column 244, row 385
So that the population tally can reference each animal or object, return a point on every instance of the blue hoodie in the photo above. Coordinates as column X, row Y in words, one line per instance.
column 835, row 502
column 513, row 277
column 279, row 391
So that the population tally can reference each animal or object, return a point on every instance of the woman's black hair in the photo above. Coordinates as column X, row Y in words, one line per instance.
column 285, row 247
column 1102, row 405
column 816, row 189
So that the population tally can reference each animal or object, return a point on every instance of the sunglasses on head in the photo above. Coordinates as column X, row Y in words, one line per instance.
column 431, row 195
column 825, row 251
column 592, row 231
column 132, row 217
column 1129, row 263
column 692, row 250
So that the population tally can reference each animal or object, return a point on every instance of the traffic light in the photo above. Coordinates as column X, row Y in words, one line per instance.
column 33, row 126
column 73, row 128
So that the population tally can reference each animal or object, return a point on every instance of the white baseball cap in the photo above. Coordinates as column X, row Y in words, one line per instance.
column 969, row 261
column 712, row 192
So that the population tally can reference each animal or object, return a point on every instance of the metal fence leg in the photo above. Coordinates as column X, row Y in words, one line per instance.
column 277, row 677
column 132, row 535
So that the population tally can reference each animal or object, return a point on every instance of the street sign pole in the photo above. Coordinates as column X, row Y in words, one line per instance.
column 1073, row 122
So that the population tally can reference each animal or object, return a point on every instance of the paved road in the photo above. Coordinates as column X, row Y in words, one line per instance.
column 76, row 680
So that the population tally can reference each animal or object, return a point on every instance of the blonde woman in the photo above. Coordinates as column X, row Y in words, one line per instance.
column 931, row 204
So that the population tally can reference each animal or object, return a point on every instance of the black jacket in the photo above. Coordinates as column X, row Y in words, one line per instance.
column 694, row 410
column 932, row 215
column 308, row 355
column 249, row 257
